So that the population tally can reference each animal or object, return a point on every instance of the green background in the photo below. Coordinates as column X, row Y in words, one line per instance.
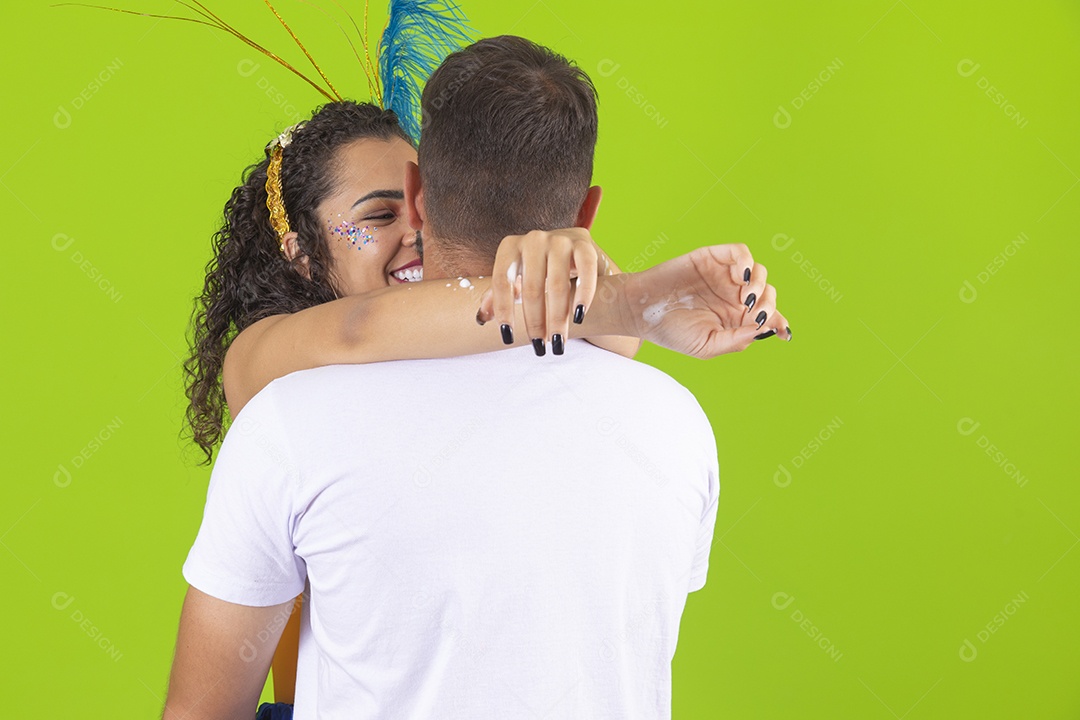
column 895, row 480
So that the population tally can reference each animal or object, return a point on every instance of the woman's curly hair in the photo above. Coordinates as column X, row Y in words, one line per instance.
column 248, row 278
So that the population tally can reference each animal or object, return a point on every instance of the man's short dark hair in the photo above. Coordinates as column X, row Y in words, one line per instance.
column 508, row 139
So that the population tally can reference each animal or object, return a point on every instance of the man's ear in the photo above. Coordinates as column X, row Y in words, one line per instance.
column 587, row 212
column 292, row 251
column 414, row 196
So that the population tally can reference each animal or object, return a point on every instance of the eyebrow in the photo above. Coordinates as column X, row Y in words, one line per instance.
column 381, row 195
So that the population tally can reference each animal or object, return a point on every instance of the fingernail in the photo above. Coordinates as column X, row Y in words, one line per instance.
column 788, row 333
column 478, row 320
column 556, row 344
column 579, row 314
column 760, row 319
column 750, row 300
column 746, row 276
column 764, row 335
column 538, row 346
column 507, row 333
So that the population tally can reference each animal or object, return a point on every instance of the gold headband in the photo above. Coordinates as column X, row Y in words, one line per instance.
column 275, row 203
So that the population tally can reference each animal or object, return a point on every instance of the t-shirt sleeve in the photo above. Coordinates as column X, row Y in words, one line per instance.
column 244, row 551
column 705, row 534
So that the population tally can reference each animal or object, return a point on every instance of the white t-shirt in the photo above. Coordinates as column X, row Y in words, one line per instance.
column 492, row 536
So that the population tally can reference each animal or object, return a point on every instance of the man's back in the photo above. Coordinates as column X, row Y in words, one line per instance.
column 497, row 535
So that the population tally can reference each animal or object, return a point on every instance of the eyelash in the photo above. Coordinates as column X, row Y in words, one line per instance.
column 388, row 216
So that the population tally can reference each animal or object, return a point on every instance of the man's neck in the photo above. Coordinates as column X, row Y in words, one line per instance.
column 440, row 261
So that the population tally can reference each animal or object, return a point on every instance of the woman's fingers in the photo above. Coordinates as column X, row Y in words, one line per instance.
column 765, row 322
column 586, row 265
column 764, row 308
column 559, row 261
column 486, row 312
column 769, row 321
column 738, row 258
column 740, row 338
column 538, row 270
column 780, row 324
column 752, row 293
column 504, row 275
column 533, row 286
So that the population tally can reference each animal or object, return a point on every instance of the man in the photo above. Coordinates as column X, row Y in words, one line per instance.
column 492, row 536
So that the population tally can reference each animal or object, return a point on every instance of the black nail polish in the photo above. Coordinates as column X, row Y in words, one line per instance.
column 557, row 344
column 746, row 276
column 750, row 300
column 788, row 333
column 579, row 314
column 538, row 346
column 764, row 335
column 478, row 320
column 760, row 319
column 507, row 334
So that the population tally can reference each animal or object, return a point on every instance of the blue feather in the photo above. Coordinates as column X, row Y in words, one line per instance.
column 418, row 36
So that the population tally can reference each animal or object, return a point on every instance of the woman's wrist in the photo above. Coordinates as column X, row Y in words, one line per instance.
column 609, row 313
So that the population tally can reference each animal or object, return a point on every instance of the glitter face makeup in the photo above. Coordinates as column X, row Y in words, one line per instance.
column 357, row 236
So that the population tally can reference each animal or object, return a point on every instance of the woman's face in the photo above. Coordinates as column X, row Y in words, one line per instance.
column 365, row 221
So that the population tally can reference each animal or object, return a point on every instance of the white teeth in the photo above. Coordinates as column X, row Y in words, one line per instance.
column 413, row 274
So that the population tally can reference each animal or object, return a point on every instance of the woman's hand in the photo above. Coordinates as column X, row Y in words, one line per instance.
column 712, row 301
column 709, row 302
column 554, row 274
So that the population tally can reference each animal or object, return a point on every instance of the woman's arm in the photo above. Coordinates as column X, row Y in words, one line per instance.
column 703, row 312
column 428, row 319
column 626, row 346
